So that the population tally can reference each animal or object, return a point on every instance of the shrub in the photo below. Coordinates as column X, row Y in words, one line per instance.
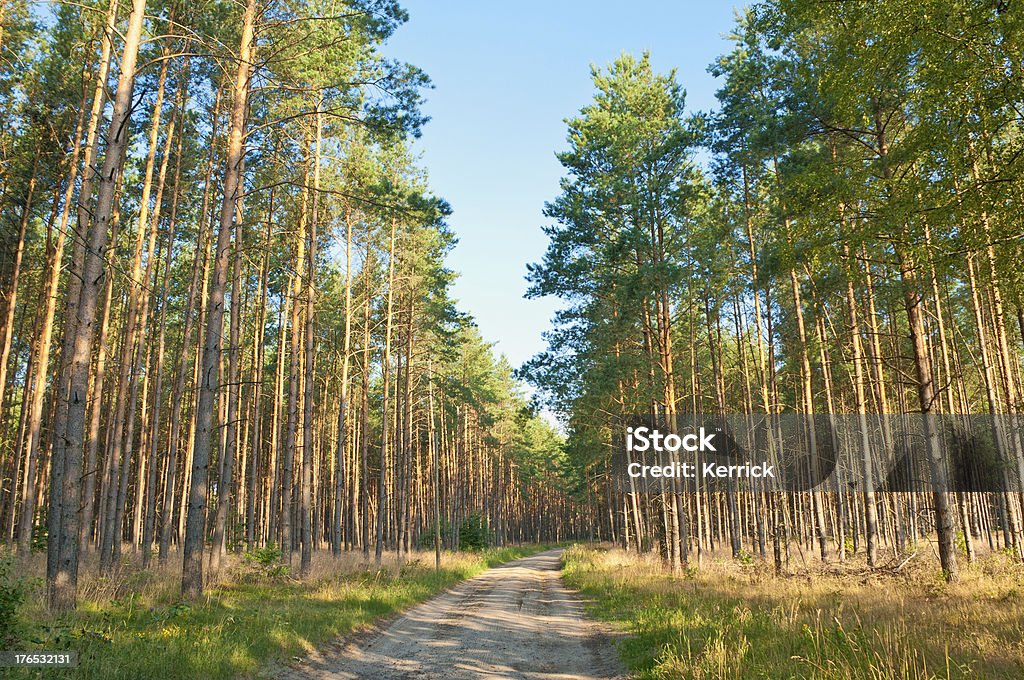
column 12, row 595
column 426, row 541
column 263, row 564
column 40, row 537
column 474, row 533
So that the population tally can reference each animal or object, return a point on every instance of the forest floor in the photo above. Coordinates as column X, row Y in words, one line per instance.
column 737, row 619
column 133, row 624
column 517, row 620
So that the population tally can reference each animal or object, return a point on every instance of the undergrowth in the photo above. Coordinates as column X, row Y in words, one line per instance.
column 737, row 620
column 134, row 625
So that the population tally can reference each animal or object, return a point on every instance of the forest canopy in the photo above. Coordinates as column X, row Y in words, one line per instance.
column 226, row 318
column 841, row 235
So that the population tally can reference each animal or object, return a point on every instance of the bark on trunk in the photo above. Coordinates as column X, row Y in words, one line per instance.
column 66, row 459
column 195, row 522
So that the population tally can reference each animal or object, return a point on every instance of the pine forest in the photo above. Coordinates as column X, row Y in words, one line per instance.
column 229, row 337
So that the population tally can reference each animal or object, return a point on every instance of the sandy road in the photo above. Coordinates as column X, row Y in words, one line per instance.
column 513, row 621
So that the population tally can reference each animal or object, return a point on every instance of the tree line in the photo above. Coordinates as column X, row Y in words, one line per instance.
column 841, row 235
column 226, row 318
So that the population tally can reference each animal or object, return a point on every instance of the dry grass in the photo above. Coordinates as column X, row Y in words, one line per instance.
column 737, row 619
column 160, row 582
column 131, row 623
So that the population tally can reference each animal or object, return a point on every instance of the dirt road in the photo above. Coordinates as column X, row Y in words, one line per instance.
column 514, row 621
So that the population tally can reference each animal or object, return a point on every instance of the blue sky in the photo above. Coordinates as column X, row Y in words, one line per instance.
column 506, row 75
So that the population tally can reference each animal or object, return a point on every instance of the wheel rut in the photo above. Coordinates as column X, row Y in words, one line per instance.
column 517, row 620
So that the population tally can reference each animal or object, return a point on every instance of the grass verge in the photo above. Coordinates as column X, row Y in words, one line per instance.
column 734, row 620
column 134, row 626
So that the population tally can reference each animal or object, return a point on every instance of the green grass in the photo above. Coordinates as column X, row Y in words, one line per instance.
column 241, row 625
column 740, row 621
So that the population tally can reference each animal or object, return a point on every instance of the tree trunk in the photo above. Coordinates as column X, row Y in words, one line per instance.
column 382, row 490
column 926, row 398
column 195, row 523
column 66, row 458
column 859, row 381
column 225, row 482
column 28, row 500
column 310, row 379
column 199, row 273
column 343, row 406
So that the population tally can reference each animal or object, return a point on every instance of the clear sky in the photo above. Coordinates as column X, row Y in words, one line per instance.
column 506, row 75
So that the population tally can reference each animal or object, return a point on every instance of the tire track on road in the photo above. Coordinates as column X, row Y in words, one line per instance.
column 516, row 621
